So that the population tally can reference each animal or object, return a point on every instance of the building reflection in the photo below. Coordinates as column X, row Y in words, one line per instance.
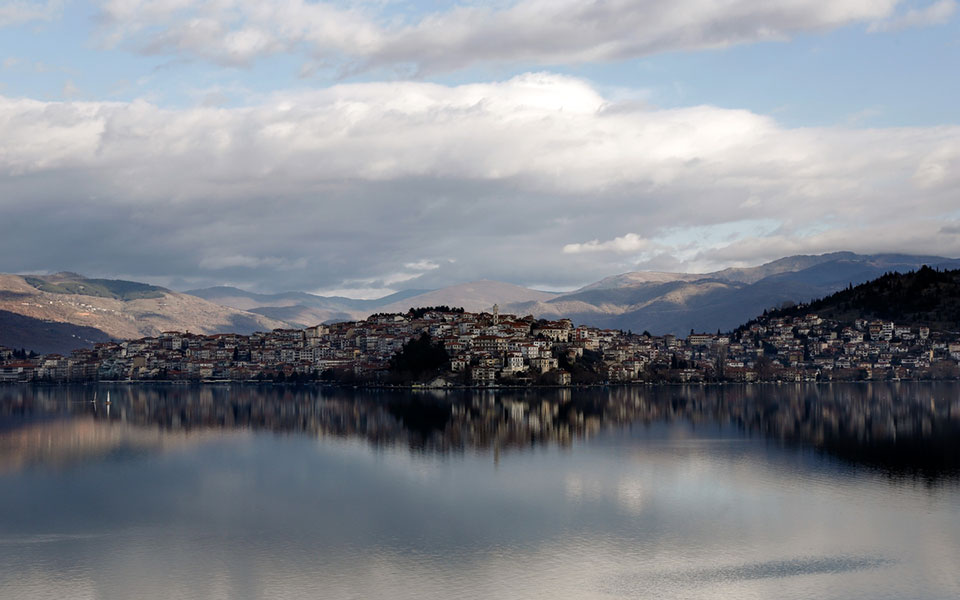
column 901, row 428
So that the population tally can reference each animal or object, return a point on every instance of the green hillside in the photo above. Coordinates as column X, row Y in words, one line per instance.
column 927, row 296
column 99, row 288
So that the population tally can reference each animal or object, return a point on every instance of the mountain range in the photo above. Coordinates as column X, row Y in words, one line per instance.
column 658, row 302
column 302, row 309
column 63, row 311
column 720, row 300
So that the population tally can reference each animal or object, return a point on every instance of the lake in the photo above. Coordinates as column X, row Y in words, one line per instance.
column 761, row 491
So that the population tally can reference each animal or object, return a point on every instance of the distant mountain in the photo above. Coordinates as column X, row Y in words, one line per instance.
column 244, row 300
column 309, row 309
column 305, row 316
column 801, row 262
column 474, row 296
column 678, row 302
column 658, row 302
column 789, row 264
column 637, row 278
column 61, row 312
column 924, row 297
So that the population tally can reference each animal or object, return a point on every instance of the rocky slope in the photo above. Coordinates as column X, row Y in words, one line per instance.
column 56, row 313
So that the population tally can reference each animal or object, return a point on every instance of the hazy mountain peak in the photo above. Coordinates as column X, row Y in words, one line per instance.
column 635, row 278
column 473, row 296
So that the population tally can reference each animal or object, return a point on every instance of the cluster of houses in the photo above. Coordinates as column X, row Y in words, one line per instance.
column 807, row 348
column 487, row 349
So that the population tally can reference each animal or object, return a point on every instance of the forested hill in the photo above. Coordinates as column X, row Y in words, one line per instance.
column 927, row 296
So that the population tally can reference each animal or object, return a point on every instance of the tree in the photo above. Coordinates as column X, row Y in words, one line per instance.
column 583, row 371
column 764, row 368
column 721, row 363
column 417, row 313
column 418, row 357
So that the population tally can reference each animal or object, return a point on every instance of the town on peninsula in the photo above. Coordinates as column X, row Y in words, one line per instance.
column 441, row 347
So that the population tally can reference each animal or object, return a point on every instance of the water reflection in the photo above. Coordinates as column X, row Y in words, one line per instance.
column 266, row 493
column 771, row 569
column 900, row 428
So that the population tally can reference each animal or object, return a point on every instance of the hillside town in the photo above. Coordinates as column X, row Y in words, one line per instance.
column 489, row 349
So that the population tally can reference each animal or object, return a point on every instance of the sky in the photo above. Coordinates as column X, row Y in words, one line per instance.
column 358, row 148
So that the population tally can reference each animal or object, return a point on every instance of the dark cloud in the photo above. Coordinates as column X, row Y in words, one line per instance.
column 421, row 185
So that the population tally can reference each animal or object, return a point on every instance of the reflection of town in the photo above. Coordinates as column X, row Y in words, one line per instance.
column 898, row 427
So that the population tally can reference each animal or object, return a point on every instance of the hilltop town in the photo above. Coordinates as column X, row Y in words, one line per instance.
column 489, row 349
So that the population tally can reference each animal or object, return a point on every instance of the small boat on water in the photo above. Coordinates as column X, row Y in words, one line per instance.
column 108, row 399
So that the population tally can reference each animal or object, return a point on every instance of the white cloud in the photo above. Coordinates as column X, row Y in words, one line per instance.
column 360, row 182
column 565, row 31
column 422, row 265
column 236, row 32
column 936, row 13
column 630, row 243
column 923, row 236
column 17, row 12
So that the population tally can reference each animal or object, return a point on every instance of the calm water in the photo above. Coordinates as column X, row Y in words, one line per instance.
column 843, row 491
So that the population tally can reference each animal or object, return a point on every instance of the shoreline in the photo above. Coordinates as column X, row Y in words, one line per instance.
column 420, row 387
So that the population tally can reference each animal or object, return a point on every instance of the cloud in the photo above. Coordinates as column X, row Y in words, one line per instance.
column 18, row 12
column 630, row 243
column 570, row 31
column 504, row 180
column 422, row 265
column 536, row 32
column 919, row 237
column 250, row 262
column 232, row 32
column 937, row 13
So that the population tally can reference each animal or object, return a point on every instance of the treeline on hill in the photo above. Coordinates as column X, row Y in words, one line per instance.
column 417, row 313
column 927, row 296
